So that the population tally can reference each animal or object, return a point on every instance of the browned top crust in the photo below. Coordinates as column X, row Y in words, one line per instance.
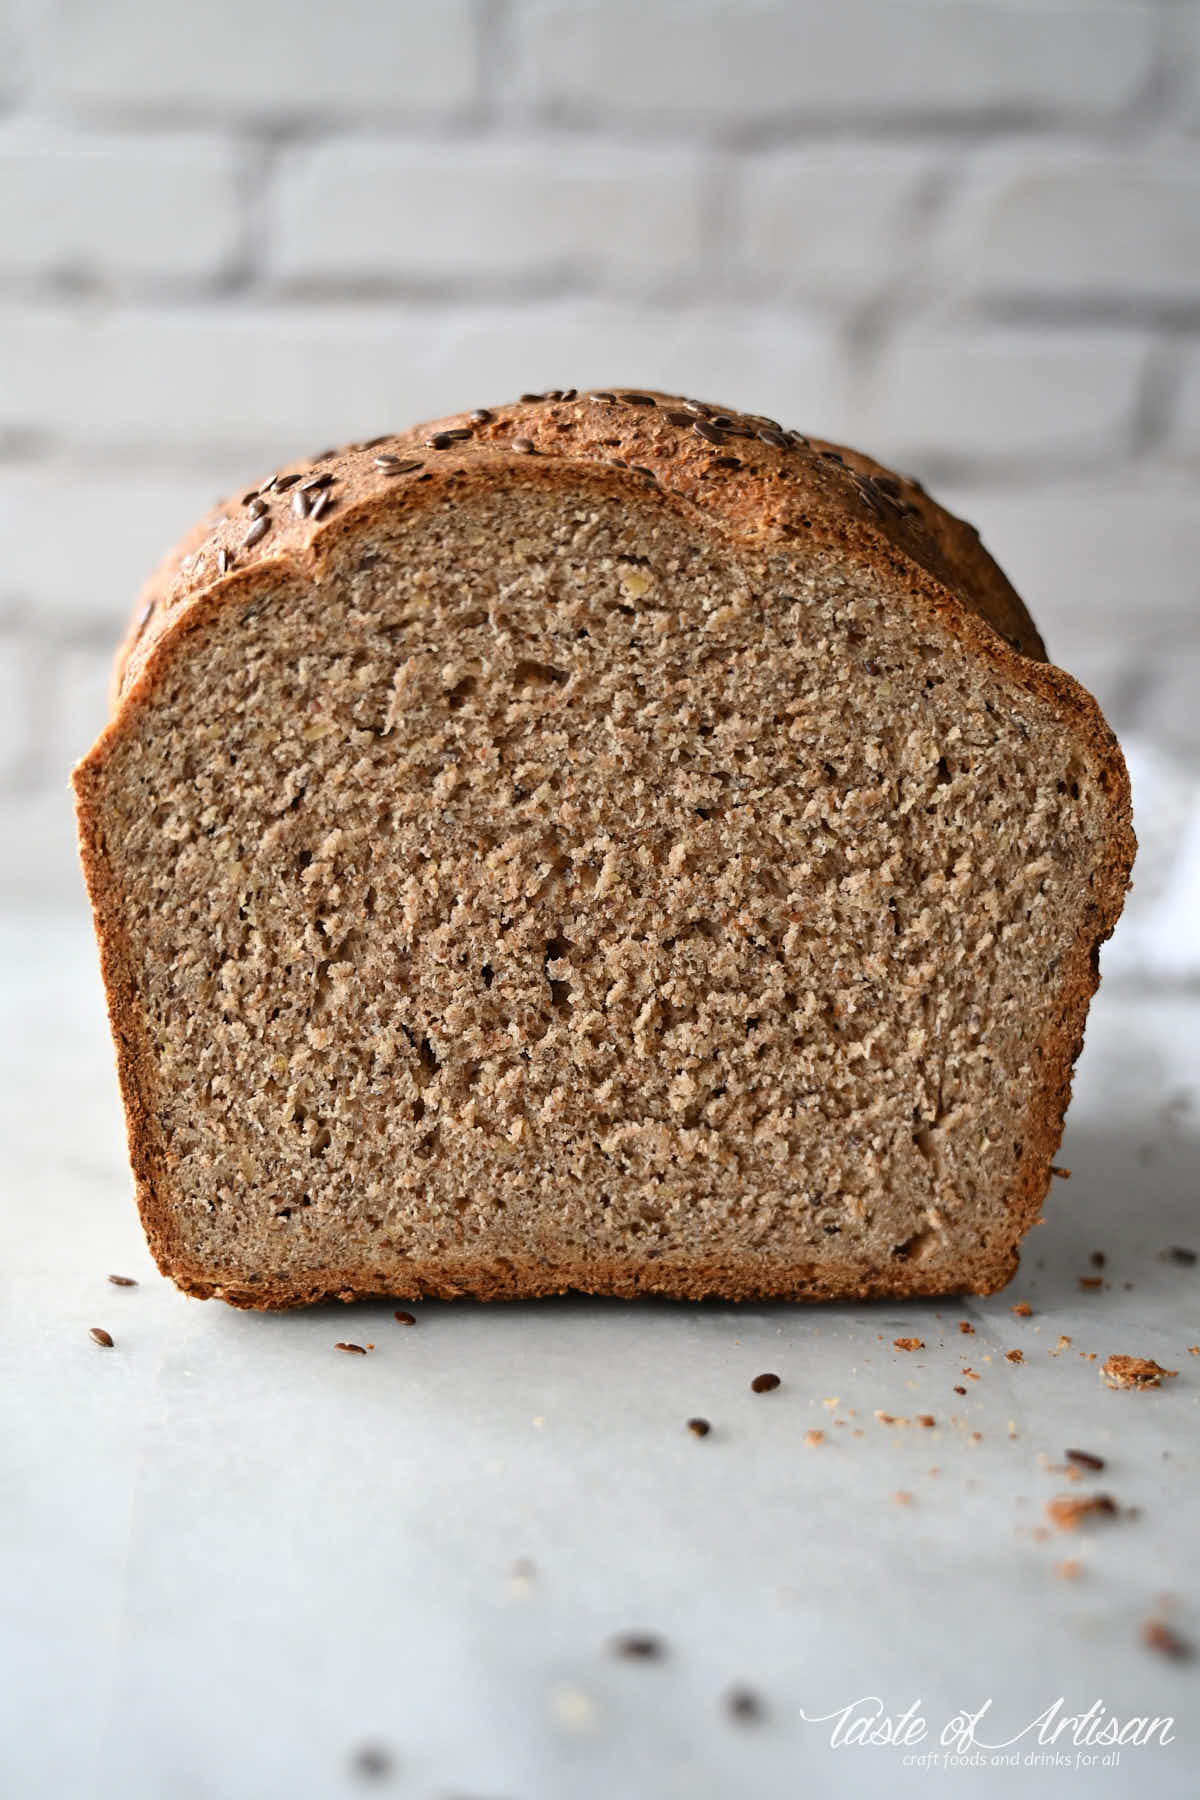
column 756, row 480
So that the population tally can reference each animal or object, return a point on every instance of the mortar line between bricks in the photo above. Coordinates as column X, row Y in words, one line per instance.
column 478, row 119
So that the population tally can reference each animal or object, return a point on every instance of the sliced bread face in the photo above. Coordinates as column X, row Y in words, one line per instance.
column 536, row 874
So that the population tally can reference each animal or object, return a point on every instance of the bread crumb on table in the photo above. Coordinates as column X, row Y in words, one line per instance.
column 1135, row 1372
column 1068, row 1511
column 1160, row 1637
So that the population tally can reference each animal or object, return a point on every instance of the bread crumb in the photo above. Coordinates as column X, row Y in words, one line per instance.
column 901, row 1498
column 1067, row 1511
column 1135, row 1372
column 966, row 1329
column 1022, row 1309
column 1091, row 1284
column 1014, row 1356
column 743, row 1704
column 813, row 1438
column 1070, row 1569
column 1160, row 1637
column 909, row 1343
column 925, row 1419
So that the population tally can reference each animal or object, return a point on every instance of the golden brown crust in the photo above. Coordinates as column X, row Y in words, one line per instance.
column 753, row 482
column 690, row 1278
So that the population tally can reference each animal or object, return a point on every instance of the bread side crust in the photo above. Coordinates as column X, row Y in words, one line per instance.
column 922, row 554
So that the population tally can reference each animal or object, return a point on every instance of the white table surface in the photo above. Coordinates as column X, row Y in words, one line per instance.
column 233, row 1558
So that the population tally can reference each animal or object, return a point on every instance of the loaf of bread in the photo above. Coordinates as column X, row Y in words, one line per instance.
column 605, row 842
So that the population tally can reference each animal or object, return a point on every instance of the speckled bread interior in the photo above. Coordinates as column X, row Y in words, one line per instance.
column 602, row 843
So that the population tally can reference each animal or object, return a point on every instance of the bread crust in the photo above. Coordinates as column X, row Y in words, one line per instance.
column 752, row 482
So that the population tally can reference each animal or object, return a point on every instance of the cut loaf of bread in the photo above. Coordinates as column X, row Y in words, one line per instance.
column 601, row 843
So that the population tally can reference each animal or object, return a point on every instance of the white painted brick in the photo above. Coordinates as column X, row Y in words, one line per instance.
column 828, row 218
column 257, row 384
column 932, row 396
column 735, row 61
column 1187, row 406
column 1083, row 227
column 129, row 206
column 1167, row 699
column 16, row 706
column 41, row 820
column 77, row 708
column 79, row 542
column 1104, row 562
column 268, row 59
column 9, row 50
column 444, row 212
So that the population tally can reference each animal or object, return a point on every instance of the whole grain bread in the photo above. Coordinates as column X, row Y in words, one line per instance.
column 605, row 842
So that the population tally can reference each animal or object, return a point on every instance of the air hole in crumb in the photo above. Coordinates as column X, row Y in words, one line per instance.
column 322, row 1141
column 704, row 928
column 303, row 860
column 428, row 1056
column 487, row 975
column 535, row 674
column 461, row 692
column 943, row 772
column 916, row 1248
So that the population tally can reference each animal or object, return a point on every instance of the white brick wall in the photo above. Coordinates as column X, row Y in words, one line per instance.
column 962, row 233
column 257, row 59
column 1046, row 397
column 830, row 220
column 1124, row 225
column 474, row 212
column 146, row 207
column 1188, row 405
column 743, row 62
